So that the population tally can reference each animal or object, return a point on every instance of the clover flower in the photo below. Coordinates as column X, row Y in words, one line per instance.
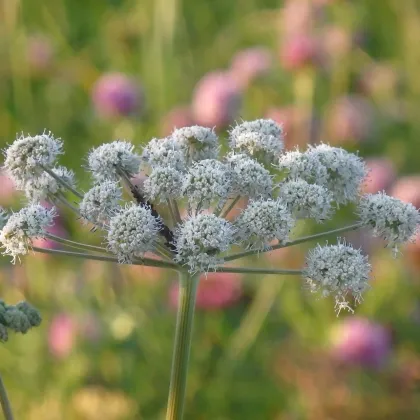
column 39, row 188
column 260, row 139
column 163, row 183
column 338, row 270
column 105, row 161
column 207, row 180
column 397, row 222
column 25, row 155
column 101, row 202
column 21, row 227
column 199, row 240
column 250, row 179
column 307, row 200
column 164, row 153
column 197, row 143
column 132, row 232
column 264, row 221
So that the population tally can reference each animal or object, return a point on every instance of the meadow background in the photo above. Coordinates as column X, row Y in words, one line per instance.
column 343, row 72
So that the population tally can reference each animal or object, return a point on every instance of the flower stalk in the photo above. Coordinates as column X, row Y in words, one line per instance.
column 184, row 324
column 5, row 403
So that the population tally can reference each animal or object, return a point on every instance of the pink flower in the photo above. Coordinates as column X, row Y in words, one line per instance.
column 178, row 117
column 62, row 335
column 215, row 291
column 408, row 189
column 249, row 64
column 39, row 53
column 336, row 41
column 298, row 51
column 297, row 17
column 381, row 175
column 359, row 341
column 350, row 119
column 216, row 100
column 116, row 94
column 7, row 190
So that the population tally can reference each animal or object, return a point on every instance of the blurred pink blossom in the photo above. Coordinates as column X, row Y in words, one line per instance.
column 408, row 189
column 297, row 17
column 350, row 119
column 215, row 291
column 249, row 64
column 379, row 79
column 62, row 335
column 359, row 341
column 216, row 100
column 336, row 41
column 116, row 94
column 381, row 175
column 7, row 190
column 178, row 117
column 39, row 53
column 299, row 51
column 89, row 327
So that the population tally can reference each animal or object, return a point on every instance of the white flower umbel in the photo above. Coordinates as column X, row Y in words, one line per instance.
column 200, row 239
column 163, row 183
column 3, row 217
column 307, row 201
column 21, row 227
column 395, row 221
column 105, row 161
column 262, row 139
column 44, row 186
column 164, row 153
column 132, row 232
column 101, row 202
column 345, row 172
column 197, row 143
column 25, row 155
column 250, row 179
column 205, row 181
column 338, row 270
column 262, row 222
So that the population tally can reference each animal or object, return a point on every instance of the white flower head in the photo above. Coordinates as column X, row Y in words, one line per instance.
column 105, row 161
column 345, row 172
column 132, row 231
column 101, row 202
column 250, row 178
column 263, row 221
column 338, row 270
column 261, row 139
column 199, row 240
column 164, row 153
column 307, row 201
column 196, row 142
column 44, row 186
column 25, row 155
column 3, row 217
column 21, row 227
column 397, row 222
column 207, row 180
column 163, row 183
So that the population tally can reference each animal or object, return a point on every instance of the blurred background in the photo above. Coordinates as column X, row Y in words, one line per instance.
column 343, row 72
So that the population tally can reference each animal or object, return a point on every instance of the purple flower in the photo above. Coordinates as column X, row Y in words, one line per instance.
column 249, row 64
column 115, row 95
column 359, row 341
column 216, row 100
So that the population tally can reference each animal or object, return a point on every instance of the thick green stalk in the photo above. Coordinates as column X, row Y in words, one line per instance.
column 184, row 324
column 5, row 403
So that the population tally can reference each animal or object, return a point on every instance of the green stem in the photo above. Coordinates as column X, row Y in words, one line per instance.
column 295, row 242
column 73, row 244
column 184, row 324
column 5, row 403
column 231, row 206
column 246, row 270
column 150, row 262
column 61, row 181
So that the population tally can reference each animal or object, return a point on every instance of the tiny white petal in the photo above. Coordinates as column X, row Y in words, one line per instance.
column 164, row 153
column 163, row 183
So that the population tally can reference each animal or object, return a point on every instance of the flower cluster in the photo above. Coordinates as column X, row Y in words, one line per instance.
column 18, row 318
column 186, row 173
